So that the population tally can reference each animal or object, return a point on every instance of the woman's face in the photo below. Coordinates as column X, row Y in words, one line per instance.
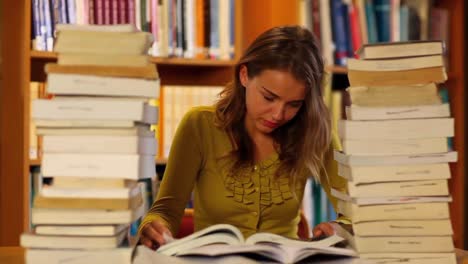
column 272, row 99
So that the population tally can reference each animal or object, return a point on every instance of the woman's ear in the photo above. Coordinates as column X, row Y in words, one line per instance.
column 243, row 75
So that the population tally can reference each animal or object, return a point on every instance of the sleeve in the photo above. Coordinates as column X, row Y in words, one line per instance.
column 183, row 166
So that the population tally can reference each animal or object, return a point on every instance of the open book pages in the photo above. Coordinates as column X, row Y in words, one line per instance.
column 224, row 239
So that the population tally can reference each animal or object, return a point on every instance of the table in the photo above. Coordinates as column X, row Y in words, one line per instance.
column 15, row 255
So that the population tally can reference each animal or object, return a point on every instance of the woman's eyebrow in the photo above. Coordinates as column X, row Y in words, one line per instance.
column 277, row 96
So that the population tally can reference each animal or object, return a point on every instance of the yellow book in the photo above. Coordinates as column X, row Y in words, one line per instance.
column 144, row 72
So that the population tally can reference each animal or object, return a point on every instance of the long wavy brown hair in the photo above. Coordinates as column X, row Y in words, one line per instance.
column 303, row 141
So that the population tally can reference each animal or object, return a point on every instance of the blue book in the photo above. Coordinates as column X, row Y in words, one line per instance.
column 371, row 23
column 382, row 18
column 49, row 27
column 214, row 29
column 339, row 32
column 404, row 23
column 170, row 26
column 38, row 40
column 349, row 42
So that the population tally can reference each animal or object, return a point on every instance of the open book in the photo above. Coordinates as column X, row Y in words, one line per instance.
column 224, row 239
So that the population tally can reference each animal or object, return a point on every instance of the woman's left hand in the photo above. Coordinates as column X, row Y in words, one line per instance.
column 323, row 229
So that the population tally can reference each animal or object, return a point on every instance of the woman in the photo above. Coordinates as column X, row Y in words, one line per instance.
column 247, row 159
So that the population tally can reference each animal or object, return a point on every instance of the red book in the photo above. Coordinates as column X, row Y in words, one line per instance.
column 356, row 37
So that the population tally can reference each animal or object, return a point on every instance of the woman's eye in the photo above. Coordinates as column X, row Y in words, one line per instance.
column 295, row 105
column 268, row 98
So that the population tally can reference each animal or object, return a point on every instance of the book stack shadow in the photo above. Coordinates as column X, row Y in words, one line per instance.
column 396, row 150
column 97, row 146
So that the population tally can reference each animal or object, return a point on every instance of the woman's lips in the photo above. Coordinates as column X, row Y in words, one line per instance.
column 270, row 124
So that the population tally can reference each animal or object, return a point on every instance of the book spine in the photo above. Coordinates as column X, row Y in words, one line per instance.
column 214, row 27
column 339, row 32
column 382, row 17
column 371, row 22
column 71, row 5
column 49, row 26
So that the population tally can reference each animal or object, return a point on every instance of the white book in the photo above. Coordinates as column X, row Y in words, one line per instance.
column 75, row 84
column 53, row 216
column 403, row 64
column 100, row 144
column 128, row 166
column 354, row 112
column 382, row 147
column 404, row 188
column 441, row 227
column 368, row 174
column 71, row 242
column 389, row 200
column 139, row 130
column 95, row 108
column 82, row 123
column 403, row 244
column 105, row 193
column 355, row 160
column 396, row 129
column 80, row 230
column 396, row 211
column 411, row 258
column 78, row 256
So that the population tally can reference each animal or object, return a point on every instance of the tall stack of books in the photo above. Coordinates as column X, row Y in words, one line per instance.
column 396, row 153
column 97, row 144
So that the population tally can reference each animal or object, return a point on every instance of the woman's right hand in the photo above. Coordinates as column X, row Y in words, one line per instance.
column 154, row 234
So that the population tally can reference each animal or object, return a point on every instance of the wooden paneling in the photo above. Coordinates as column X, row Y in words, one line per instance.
column 14, row 184
column 260, row 15
column 456, row 84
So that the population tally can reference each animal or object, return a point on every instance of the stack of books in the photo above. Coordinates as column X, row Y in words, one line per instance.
column 396, row 153
column 97, row 144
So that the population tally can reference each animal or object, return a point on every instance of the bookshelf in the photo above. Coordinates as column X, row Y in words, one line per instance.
column 21, row 65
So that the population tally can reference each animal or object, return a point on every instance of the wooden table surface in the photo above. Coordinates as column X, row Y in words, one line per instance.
column 15, row 255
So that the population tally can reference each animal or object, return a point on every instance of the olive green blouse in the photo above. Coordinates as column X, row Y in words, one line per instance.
column 254, row 201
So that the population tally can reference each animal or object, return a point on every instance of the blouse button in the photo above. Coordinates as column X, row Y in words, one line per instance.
column 254, row 213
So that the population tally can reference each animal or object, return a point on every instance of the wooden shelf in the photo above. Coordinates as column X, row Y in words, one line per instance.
column 336, row 69
column 158, row 161
column 52, row 56
column 35, row 162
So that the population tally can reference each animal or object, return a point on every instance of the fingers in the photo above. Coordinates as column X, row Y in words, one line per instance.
column 323, row 229
column 152, row 235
